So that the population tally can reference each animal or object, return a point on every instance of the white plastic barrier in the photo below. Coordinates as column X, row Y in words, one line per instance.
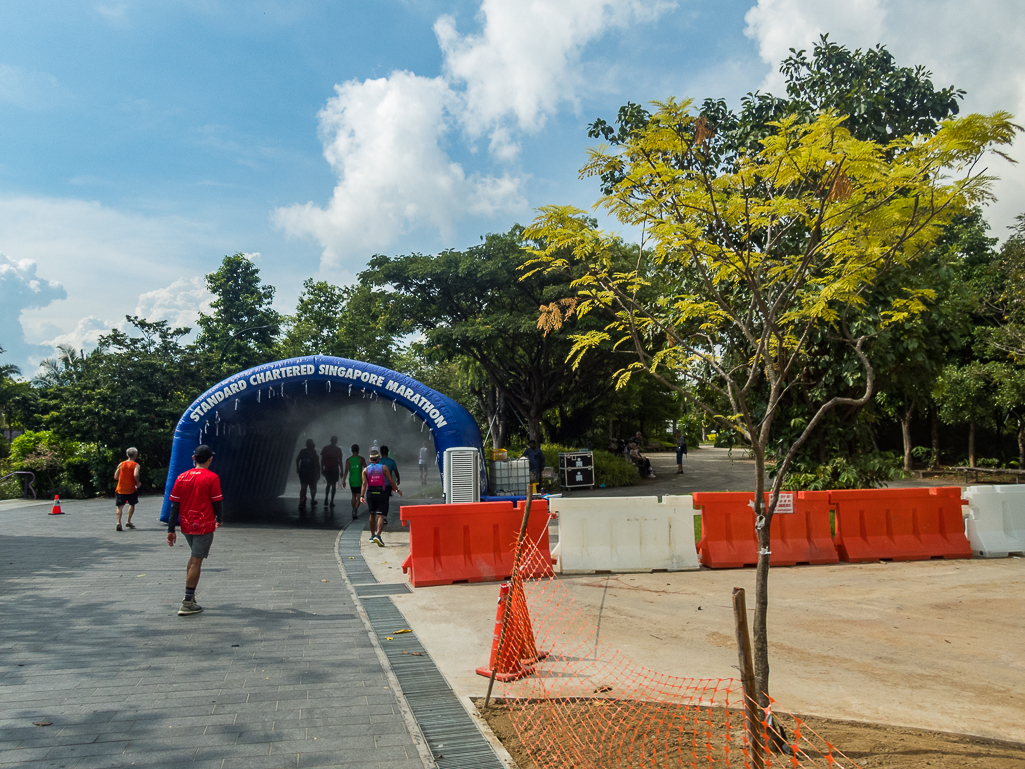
column 625, row 534
column 995, row 524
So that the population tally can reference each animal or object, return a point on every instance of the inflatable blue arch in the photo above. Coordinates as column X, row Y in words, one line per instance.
column 253, row 419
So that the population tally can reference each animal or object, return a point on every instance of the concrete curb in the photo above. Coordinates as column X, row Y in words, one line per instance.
column 407, row 715
column 496, row 744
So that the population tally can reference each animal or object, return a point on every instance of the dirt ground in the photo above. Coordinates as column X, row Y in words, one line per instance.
column 930, row 648
column 870, row 746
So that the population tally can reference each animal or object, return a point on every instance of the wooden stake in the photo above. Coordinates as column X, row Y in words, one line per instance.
column 509, row 599
column 747, row 678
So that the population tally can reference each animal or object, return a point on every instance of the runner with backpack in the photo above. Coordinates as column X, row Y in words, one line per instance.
column 374, row 491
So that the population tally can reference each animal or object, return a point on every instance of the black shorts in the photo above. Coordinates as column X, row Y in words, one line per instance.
column 377, row 501
column 330, row 475
column 120, row 500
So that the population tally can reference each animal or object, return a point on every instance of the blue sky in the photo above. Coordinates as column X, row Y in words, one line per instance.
column 140, row 142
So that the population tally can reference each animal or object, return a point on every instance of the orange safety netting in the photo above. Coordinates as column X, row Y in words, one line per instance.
column 578, row 703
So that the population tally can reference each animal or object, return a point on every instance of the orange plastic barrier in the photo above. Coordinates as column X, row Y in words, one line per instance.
column 519, row 652
column 899, row 524
column 472, row 542
column 728, row 538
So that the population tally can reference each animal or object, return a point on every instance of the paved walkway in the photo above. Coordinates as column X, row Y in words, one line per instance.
column 279, row 671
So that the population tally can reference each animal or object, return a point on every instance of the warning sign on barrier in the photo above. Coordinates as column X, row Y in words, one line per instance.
column 785, row 505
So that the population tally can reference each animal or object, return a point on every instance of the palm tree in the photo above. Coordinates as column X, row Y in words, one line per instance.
column 62, row 369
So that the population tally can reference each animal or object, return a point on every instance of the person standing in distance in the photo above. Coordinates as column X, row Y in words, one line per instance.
column 374, row 491
column 681, row 449
column 196, row 503
column 307, row 465
column 127, row 491
column 423, row 464
column 535, row 461
column 331, row 465
column 354, row 466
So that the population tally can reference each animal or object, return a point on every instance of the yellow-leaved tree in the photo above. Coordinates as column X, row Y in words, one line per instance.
column 741, row 263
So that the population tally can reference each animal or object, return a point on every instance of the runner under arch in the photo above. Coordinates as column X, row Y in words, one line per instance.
column 253, row 419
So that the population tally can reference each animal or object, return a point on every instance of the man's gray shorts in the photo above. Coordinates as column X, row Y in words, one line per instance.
column 200, row 544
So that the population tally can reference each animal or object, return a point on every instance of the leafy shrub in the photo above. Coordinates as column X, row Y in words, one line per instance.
column 864, row 471
column 61, row 466
column 988, row 462
column 101, row 470
column 611, row 470
column 11, row 488
column 925, row 454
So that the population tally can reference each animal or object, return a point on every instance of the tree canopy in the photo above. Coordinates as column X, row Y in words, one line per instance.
column 242, row 329
column 755, row 258
column 470, row 304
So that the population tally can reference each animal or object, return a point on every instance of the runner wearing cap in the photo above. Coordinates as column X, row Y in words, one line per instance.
column 196, row 502
column 376, row 479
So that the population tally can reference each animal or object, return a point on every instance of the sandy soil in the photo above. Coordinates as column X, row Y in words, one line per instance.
column 869, row 746
column 933, row 645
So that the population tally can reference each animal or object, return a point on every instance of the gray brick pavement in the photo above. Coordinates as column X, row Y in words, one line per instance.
column 277, row 672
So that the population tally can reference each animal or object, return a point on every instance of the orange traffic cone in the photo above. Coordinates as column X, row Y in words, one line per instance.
column 519, row 653
column 56, row 510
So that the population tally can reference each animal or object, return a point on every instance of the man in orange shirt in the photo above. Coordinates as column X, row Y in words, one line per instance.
column 127, row 491
column 196, row 503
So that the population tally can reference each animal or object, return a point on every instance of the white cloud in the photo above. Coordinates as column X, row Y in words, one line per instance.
column 106, row 257
column 387, row 139
column 29, row 90
column 85, row 334
column 383, row 138
column 779, row 25
column 526, row 59
column 22, row 289
column 179, row 304
column 974, row 46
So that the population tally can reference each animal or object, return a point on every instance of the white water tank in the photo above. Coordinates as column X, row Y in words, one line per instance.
column 462, row 474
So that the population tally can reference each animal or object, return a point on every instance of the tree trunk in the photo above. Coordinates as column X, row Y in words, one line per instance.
column 761, row 636
column 534, row 425
column 905, row 429
column 935, row 459
column 1021, row 444
column 501, row 423
column 971, row 443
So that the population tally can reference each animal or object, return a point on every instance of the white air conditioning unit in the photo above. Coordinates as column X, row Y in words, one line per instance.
column 462, row 475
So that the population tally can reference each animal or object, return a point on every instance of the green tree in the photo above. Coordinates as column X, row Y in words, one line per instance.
column 1008, row 338
column 62, row 369
column 966, row 395
column 757, row 258
column 241, row 331
column 358, row 322
column 882, row 101
column 470, row 305
column 10, row 388
column 909, row 358
column 1009, row 381
column 130, row 391
column 314, row 327
column 368, row 326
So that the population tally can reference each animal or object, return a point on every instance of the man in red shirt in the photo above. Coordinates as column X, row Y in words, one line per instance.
column 196, row 502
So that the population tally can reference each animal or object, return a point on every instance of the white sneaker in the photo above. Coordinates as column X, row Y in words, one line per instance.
column 189, row 607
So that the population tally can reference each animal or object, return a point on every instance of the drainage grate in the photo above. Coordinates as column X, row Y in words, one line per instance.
column 376, row 591
column 451, row 734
